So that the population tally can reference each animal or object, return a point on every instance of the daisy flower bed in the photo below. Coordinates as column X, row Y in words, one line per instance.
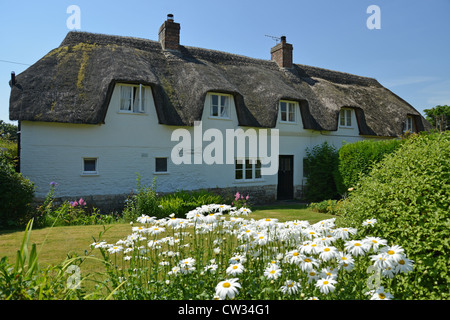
column 216, row 252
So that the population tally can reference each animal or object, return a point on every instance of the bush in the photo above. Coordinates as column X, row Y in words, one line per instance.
column 320, row 163
column 182, row 202
column 328, row 206
column 356, row 159
column 408, row 193
column 16, row 194
column 147, row 202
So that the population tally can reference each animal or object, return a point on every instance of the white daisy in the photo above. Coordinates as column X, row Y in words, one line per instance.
column 227, row 288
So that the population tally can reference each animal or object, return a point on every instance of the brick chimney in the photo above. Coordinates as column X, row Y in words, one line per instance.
column 282, row 54
column 169, row 34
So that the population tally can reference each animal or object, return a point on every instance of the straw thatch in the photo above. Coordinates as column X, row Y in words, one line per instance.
column 73, row 84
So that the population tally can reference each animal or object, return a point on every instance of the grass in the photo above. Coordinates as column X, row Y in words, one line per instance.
column 56, row 243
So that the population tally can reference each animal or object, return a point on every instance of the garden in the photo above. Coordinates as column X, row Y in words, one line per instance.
column 376, row 228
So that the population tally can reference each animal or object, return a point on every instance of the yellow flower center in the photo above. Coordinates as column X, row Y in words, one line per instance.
column 326, row 249
column 325, row 282
column 357, row 244
column 261, row 237
column 402, row 262
column 226, row 285
column 268, row 219
column 272, row 271
column 374, row 241
column 312, row 274
column 235, row 267
column 381, row 295
column 391, row 252
column 344, row 258
column 290, row 285
column 295, row 254
column 307, row 260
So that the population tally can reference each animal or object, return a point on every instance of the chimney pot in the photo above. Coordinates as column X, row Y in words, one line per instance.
column 170, row 17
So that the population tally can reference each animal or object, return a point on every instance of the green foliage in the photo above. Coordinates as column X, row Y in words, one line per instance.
column 69, row 213
column 8, row 131
column 439, row 117
column 16, row 194
column 147, row 202
column 333, row 207
column 182, row 202
column 320, row 163
column 408, row 192
column 356, row 159
column 27, row 280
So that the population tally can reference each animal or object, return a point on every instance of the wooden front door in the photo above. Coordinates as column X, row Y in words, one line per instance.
column 285, row 178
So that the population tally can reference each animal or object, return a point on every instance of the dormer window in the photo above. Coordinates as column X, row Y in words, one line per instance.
column 287, row 111
column 345, row 118
column 220, row 105
column 132, row 98
column 408, row 124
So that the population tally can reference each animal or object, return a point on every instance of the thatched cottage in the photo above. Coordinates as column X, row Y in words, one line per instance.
column 99, row 109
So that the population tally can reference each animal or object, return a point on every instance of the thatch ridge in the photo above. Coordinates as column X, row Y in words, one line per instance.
column 73, row 84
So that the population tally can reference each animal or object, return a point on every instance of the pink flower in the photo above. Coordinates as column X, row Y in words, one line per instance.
column 74, row 204
column 82, row 202
column 237, row 196
column 246, row 198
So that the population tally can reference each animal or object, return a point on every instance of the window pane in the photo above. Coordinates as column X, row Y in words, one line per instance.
column 248, row 169
column 90, row 165
column 283, row 111
column 342, row 118
column 215, row 105
column 125, row 98
column 258, row 169
column 349, row 118
column 291, row 112
column 238, row 169
column 161, row 164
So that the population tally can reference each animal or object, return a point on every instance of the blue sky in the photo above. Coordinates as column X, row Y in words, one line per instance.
column 409, row 54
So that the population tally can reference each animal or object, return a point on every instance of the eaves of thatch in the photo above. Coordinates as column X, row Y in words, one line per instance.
column 73, row 84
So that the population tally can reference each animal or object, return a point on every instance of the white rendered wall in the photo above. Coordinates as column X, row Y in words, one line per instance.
column 128, row 143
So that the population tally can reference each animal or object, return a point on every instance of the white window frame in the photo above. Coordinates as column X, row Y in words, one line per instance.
column 223, row 112
column 90, row 172
column 253, row 166
column 408, row 125
column 345, row 118
column 291, row 107
column 140, row 98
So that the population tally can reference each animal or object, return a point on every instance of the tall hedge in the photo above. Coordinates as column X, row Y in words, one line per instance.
column 356, row 159
column 16, row 194
column 408, row 192
column 319, row 165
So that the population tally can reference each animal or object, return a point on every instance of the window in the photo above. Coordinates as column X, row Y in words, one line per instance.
column 287, row 111
column 161, row 165
column 220, row 106
column 247, row 169
column 408, row 125
column 345, row 118
column 89, row 166
column 132, row 98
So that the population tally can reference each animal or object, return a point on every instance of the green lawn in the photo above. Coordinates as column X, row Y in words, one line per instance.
column 57, row 242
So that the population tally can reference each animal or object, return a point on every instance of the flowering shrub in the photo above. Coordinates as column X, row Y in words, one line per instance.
column 216, row 252
column 69, row 212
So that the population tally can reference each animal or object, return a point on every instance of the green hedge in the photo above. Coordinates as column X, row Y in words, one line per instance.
column 356, row 159
column 16, row 194
column 408, row 192
column 320, row 163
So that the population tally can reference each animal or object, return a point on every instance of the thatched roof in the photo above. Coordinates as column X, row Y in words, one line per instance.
column 73, row 84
